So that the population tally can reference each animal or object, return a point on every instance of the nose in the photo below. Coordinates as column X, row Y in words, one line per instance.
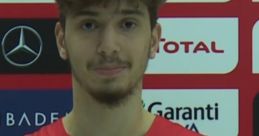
column 108, row 45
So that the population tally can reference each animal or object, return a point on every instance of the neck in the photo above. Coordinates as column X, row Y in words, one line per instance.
column 88, row 116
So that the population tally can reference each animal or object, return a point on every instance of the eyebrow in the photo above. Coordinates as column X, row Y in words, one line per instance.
column 131, row 12
column 121, row 12
column 86, row 13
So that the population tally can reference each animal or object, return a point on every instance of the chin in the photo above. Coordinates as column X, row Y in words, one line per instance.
column 111, row 96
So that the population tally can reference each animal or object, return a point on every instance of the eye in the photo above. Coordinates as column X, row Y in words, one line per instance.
column 89, row 26
column 128, row 25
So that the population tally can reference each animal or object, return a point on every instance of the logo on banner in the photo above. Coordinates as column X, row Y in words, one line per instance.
column 188, row 47
column 209, row 115
column 22, row 46
column 196, row 46
column 29, row 119
column 28, row 45
column 187, row 113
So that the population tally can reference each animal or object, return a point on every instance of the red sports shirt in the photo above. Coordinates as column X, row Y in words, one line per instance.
column 160, row 127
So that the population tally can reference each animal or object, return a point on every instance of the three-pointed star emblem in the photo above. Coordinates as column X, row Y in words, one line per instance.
column 22, row 46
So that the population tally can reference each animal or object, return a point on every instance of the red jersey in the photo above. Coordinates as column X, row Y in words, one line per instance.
column 160, row 127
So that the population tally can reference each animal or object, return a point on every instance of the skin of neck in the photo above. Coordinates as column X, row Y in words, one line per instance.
column 91, row 118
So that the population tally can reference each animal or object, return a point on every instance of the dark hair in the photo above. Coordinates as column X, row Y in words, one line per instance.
column 70, row 6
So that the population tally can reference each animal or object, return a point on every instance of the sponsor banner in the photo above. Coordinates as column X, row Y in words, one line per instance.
column 196, row 46
column 212, row 112
column 25, row 111
column 29, row 46
column 256, row 117
column 206, row 111
column 256, row 48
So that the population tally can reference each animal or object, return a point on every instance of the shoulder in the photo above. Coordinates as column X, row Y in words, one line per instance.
column 54, row 129
column 164, row 127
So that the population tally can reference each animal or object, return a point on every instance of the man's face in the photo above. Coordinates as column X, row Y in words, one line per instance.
column 108, row 48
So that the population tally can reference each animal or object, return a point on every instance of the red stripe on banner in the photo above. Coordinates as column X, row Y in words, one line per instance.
column 28, row 11
column 38, row 82
column 201, row 9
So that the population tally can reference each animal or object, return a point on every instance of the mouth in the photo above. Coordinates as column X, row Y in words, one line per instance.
column 110, row 71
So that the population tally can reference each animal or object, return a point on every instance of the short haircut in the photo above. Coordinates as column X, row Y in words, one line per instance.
column 71, row 6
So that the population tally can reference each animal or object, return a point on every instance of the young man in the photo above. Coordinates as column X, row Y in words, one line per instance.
column 108, row 44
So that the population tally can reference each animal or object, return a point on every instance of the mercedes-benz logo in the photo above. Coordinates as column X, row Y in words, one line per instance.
column 22, row 46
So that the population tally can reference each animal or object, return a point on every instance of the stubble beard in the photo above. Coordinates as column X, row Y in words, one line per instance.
column 111, row 96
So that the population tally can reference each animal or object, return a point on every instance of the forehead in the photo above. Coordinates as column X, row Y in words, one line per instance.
column 115, row 5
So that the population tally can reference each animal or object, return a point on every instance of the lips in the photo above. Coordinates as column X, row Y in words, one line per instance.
column 109, row 71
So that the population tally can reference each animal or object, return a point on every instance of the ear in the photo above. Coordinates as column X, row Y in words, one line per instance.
column 60, row 40
column 155, row 40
